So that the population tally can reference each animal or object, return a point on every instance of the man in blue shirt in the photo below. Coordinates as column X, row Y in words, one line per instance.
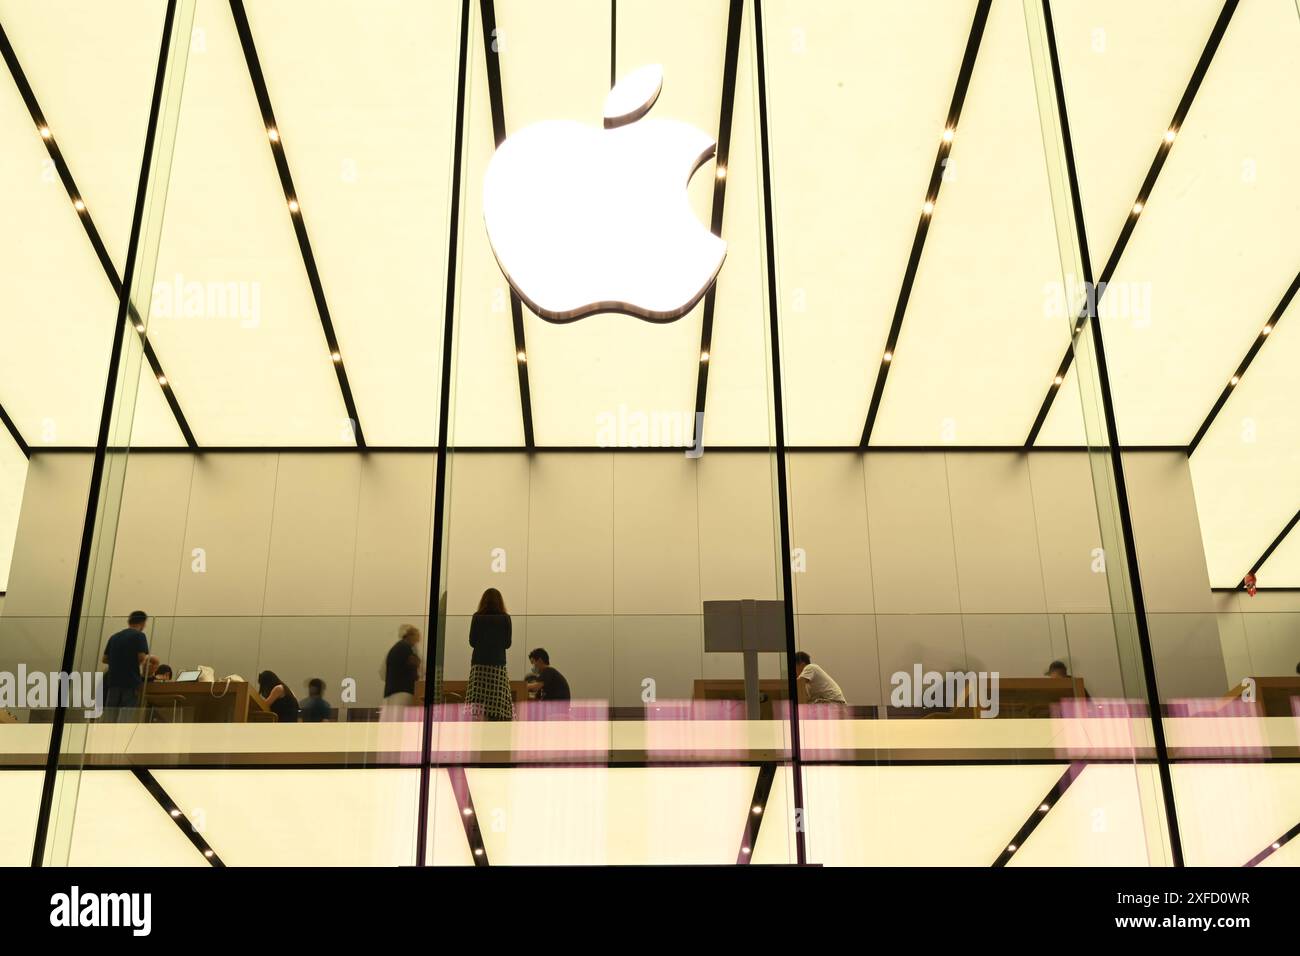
column 125, row 654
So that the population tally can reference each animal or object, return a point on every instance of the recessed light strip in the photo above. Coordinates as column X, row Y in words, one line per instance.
column 755, row 810
column 735, row 19
column 1163, row 147
column 50, row 140
column 1040, row 812
column 467, row 813
column 946, row 137
column 1268, row 552
column 169, row 806
column 1273, row 847
column 275, row 140
column 1239, row 374
column 14, row 433
column 488, row 18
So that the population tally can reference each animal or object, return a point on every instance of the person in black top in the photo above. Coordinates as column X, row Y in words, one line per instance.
column 550, row 683
column 161, row 674
column 315, row 708
column 402, row 668
column 278, row 697
column 125, row 654
column 488, row 693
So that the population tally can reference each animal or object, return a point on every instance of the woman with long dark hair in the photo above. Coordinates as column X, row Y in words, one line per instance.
column 278, row 697
column 488, row 693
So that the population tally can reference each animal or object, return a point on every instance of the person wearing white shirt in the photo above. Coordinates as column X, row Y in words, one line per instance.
column 815, row 685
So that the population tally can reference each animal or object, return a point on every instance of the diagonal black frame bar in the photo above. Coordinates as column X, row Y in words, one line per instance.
column 927, row 212
column 1113, row 447
column 1273, row 847
column 296, row 216
column 1240, row 373
column 437, row 622
column 1040, row 812
column 92, row 233
column 735, row 18
column 778, row 407
column 1268, row 552
column 754, row 813
column 173, row 810
column 14, row 433
column 1094, row 292
column 468, row 815
column 76, row 605
column 488, row 15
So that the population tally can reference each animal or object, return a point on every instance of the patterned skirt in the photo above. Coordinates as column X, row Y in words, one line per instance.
column 488, row 694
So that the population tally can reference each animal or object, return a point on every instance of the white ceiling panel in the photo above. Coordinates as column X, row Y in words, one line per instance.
column 1124, row 67
column 857, row 98
column 1282, row 569
column 982, row 288
column 1246, row 471
column 232, row 310
column 1207, row 262
column 370, row 142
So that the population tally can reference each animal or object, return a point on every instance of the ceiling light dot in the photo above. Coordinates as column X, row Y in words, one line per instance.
column 1044, row 807
column 722, row 172
column 162, row 379
column 1277, row 846
column 80, row 206
column 1268, row 329
column 468, row 811
column 947, row 135
column 704, row 356
column 745, row 850
column 1169, row 135
column 1057, row 380
column 293, row 205
column 1012, row 848
column 139, row 327
column 208, row 854
column 928, row 207
column 273, row 134
column 889, row 356
column 336, row 356
column 521, row 356
column 1234, row 380
column 1137, row 208
column 176, row 813
column 478, row 851
column 758, row 809
column 45, row 132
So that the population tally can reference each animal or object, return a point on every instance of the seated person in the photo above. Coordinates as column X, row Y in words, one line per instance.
column 549, row 684
column 279, row 699
column 161, row 675
column 815, row 685
column 315, row 708
column 1057, row 669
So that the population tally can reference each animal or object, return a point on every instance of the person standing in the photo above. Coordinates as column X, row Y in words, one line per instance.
column 402, row 668
column 488, row 693
column 126, row 653
column 315, row 709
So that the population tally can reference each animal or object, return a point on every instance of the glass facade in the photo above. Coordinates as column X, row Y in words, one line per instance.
column 877, row 555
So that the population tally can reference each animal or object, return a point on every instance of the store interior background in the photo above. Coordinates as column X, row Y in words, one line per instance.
column 944, row 543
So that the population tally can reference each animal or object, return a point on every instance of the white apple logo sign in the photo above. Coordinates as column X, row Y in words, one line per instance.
column 585, row 220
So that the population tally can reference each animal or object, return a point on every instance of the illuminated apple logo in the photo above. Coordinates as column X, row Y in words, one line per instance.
column 585, row 220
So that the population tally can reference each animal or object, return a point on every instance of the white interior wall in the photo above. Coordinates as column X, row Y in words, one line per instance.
column 307, row 563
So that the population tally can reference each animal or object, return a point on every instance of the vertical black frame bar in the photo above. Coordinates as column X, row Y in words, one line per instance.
column 432, row 669
column 1116, row 455
column 101, row 445
column 782, row 482
column 488, row 17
